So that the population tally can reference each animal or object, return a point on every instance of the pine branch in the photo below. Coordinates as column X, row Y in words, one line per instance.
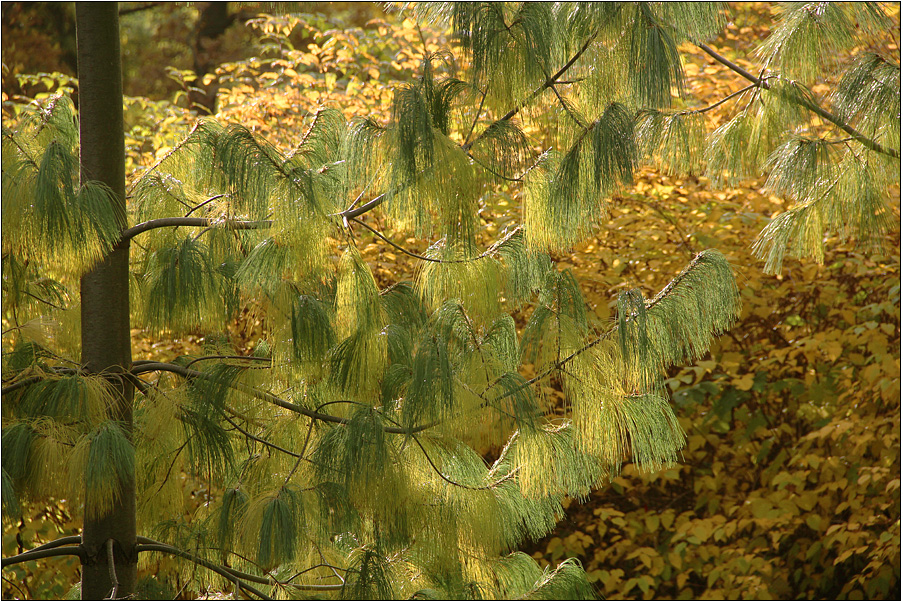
column 200, row 205
column 129, row 233
column 32, row 555
column 476, row 117
column 233, row 575
column 229, row 574
column 393, row 244
column 491, row 486
column 228, row 357
column 183, row 142
column 61, row 370
column 721, row 102
column 484, row 254
column 547, row 84
column 149, row 367
column 733, row 66
column 824, row 114
column 376, row 201
column 266, row 443
column 65, row 540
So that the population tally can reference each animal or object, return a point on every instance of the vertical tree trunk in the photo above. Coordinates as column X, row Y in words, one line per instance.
column 105, row 336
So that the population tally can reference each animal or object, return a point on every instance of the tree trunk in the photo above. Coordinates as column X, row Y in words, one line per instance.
column 105, row 334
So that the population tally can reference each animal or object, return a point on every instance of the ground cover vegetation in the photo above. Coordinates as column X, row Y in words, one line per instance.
column 315, row 426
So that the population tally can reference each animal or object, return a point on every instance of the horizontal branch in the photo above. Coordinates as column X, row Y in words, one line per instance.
column 234, row 575
column 128, row 233
column 60, row 370
column 149, row 367
column 227, row 573
column 59, row 551
column 59, row 542
column 228, row 357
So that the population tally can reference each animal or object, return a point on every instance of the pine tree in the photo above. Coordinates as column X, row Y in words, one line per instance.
column 341, row 454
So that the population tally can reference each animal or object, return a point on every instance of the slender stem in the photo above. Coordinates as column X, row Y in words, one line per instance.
column 128, row 233
column 208, row 201
column 456, row 484
column 51, row 304
column 266, row 443
column 721, row 102
column 476, row 117
column 393, row 244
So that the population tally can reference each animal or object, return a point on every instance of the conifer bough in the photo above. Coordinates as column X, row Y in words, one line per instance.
column 341, row 455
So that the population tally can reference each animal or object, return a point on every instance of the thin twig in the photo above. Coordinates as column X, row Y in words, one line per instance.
column 476, row 117
column 456, row 484
column 199, row 206
column 266, row 443
column 722, row 101
column 549, row 82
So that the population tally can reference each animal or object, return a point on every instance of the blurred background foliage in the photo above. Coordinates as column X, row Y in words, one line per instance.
column 790, row 482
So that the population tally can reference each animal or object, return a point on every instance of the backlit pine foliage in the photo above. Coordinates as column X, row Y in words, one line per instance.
column 345, row 446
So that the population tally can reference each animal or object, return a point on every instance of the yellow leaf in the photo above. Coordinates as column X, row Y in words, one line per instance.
column 745, row 382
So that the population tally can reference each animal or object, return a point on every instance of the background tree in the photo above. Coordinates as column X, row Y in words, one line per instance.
column 399, row 371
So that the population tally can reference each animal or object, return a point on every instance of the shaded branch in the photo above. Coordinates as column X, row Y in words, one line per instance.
column 227, row 357
column 149, row 367
column 59, row 551
column 233, row 575
column 229, row 574
column 59, row 542
column 266, row 443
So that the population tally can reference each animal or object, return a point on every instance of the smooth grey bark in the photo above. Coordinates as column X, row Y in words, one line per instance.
column 105, row 334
